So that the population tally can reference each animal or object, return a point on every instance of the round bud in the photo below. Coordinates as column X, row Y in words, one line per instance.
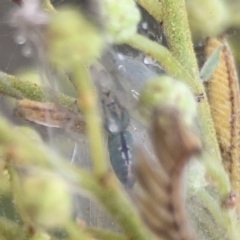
column 168, row 92
column 72, row 38
column 121, row 19
column 207, row 18
column 45, row 200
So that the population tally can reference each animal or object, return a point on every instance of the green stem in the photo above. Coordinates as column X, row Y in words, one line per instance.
column 14, row 87
column 177, row 33
column 224, row 218
column 119, row 206
column 76, row 233
column 88, row 105
column 103, row 234
column 208, row 131
column 217, row 173
column 166, row 60
column 153, row 7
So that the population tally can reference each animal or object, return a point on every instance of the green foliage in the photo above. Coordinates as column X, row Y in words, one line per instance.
column 73, row 43
column 210, row 65
column 121, row 19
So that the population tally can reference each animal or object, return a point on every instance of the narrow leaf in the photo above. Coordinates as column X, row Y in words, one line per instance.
column 210, row 65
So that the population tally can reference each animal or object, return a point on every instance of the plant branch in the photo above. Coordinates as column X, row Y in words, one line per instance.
column 77, row 233
column 111, row 195
column 88, row 105
column 226, row 219
column 14, row 87
column 103, row 234
column 177, row 32
column 166, row 60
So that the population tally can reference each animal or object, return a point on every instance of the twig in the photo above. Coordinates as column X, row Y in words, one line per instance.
column 166, row 59
column 14, row 87
column 226, row 219
column 77, row 233
column 103, row 234
column 177, row 32
column 88, row 105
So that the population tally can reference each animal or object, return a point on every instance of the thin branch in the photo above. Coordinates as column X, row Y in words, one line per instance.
column 224, row 218
column 103, row 234
column 166, row 59
column 88, row 105
column 77, row 233
column 14, row 87
column 177, row 32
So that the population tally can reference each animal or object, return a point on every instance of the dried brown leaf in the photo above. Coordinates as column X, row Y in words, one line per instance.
column 160, row 198
column 48, row 114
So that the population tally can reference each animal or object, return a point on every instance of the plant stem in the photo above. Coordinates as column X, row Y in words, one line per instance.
column 208, row 131
column 177, row 33
column 14, row 87
column 76, row 233
column 116, row 202
column 103, row 234
column 217, row 172
column 88, row 105
column 226, row 219
column 166, row 60
column 154, row 7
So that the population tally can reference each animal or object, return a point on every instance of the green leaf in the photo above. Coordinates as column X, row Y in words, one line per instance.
column 210, row 65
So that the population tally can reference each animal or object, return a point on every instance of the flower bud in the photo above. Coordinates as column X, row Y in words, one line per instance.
column 45, row 200
column 121, row 19
column 167, row 92
column 207, row 18
column 72, row 38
